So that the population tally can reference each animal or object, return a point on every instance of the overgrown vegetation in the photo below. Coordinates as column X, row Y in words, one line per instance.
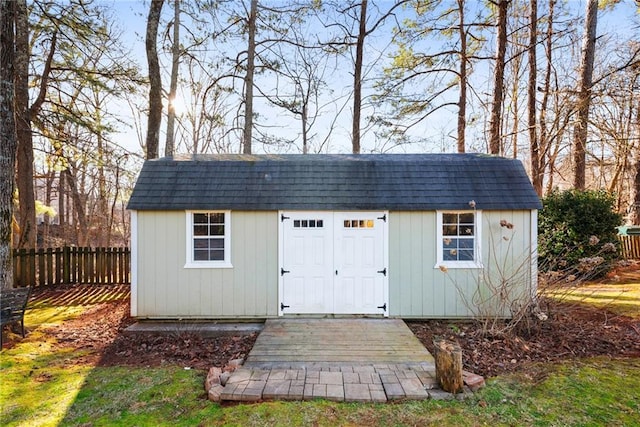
column 577, row 233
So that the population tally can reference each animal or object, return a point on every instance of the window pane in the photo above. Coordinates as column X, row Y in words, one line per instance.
column 466, row 218
column 305, row 223
column 465, row 243
column 449, row 218
column 216, row 218
column 466, row 230
column 296, row 223
column 201, row 243
column 217, row 230
column 200, row 230
column 319, row 223
column 369, row 223
column 465, row 255
column 201, row 255
column 449, row 230
column 216, row 243
column 200, row 218
column 347, row 223
column 449, row 255
column 449, row 243
column 216, row 255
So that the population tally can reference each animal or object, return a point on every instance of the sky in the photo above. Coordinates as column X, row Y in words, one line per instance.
column 131, row 18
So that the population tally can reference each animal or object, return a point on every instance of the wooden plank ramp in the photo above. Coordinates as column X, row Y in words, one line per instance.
column 304, row 342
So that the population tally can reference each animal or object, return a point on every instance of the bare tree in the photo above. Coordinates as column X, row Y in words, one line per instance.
column 155, row 81
column 8, row 140
column 247, row 135
column 435, row 53
column 495, row 120
column 357, row 78
column 24, row 116
column 463, row 78
column 532, row 85
column 169, row 146
column 634, row 215
column 584, row 94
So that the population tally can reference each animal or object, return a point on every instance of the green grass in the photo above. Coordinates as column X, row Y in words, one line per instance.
column 592, row 392
column 42, row 384
column 620, row 298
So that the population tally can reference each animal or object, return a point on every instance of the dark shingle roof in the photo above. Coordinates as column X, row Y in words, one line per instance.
column 333, row 182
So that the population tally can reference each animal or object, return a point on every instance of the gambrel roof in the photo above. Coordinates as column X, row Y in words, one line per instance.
column 404, row 182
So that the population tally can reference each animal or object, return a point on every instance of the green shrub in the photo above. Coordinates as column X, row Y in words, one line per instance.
column 568, row 222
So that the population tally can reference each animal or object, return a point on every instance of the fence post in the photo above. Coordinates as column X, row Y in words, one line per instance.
column 66, row 264
column 17, row 267
column 49, row 273
column 127, row 266
column 41, row 268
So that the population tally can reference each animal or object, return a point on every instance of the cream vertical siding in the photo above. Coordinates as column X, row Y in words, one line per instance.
column 165, row 289
column 418, row 289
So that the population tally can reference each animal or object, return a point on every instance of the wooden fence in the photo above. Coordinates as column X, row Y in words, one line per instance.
column 71, row 265
column 630, row 247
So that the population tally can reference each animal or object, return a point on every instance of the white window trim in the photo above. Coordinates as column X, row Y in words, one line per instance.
column 226, row 263
column 477, row 253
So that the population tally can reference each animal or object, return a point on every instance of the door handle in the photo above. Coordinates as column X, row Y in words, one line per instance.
column 383, row 271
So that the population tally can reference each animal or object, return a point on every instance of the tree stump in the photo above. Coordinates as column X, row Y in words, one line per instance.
column 448, row 357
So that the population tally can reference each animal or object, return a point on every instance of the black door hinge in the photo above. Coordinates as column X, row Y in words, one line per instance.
column 383, row 217
column 282, row 217
column 282, row 306
column 282, row 271
column 383, row 306
column 383, row 271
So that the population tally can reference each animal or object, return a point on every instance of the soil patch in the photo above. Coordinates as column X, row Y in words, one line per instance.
column 571, row 331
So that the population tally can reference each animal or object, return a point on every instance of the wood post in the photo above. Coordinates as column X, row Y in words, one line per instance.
column 448, row 357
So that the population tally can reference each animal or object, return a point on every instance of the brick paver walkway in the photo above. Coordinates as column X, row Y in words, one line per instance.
column 348, row 383
column 352, row 360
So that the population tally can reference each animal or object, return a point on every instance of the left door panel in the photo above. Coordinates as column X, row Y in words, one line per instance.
column 307, row 272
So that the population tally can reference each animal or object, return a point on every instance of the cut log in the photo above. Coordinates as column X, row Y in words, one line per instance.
column 448, row 366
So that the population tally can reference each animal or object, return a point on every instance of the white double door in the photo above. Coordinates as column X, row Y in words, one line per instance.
column 333, row 263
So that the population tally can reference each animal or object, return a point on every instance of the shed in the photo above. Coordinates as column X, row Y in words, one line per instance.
column 401, row 235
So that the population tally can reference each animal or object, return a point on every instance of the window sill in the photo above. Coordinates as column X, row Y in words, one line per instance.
column 208, row 264
column 457, row 265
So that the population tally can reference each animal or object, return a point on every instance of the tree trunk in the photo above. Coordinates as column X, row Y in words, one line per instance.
column 62, row 213
column 169, row 146
column 448, row 360
column 634, row 216
column 248, row 80
column 8, row 140
column 544, row 143
column 495, row 121
column 24, row 180
column 357, row 80
column 584, row 95
column 155, row 82
column 536, row 166
column 103, row 203
column 462, row 97
column 82, row 234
